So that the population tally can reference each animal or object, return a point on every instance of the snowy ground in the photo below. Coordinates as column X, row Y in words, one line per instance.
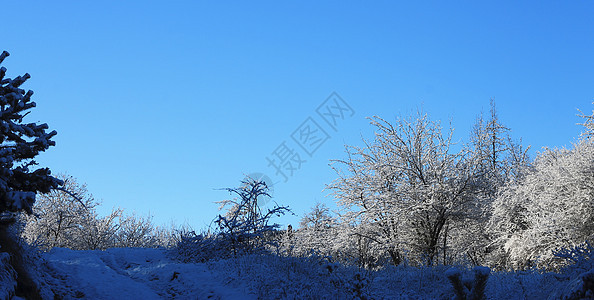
column 127, row 273
column 136, row 273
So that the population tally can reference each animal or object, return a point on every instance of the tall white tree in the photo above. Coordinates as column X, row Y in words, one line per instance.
column 499, row 160
column 550, row 207
column 409, row 184
column 316, row 233
column 60, row 217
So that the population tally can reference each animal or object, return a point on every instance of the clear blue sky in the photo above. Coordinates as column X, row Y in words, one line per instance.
column 158, row 104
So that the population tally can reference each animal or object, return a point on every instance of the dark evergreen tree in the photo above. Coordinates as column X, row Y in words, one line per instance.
column 20, row 142
column 20, row 178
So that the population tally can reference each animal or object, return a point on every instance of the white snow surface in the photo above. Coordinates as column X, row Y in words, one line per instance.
column 135, row 273
column 144, row 273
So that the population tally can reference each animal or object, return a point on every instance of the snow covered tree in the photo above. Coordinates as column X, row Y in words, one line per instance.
column 408, row 184
column 68, row 218
column 588, row 124
column 245, row 225
column 137, row 231
column 20, row 143
column 550, row 208
column 100, row 233
column 60, row 217
column 316, row 232
column 20, row 179
column 499, row 160
column 499, row 157
column 319, row 218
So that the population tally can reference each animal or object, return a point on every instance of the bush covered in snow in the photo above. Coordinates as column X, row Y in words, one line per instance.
column 315, row 277
column 68, row 218
column 244, row 229
column 7, row 277
column 550, row 208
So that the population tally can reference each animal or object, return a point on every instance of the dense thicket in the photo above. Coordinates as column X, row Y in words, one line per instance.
column 68, row 218
column 550, row 208
column 410, row 195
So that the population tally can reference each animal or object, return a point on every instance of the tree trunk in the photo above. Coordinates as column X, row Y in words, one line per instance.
column 26, row 287
column 395, row 255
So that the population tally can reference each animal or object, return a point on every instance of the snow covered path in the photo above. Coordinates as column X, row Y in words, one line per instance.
column 135, row 273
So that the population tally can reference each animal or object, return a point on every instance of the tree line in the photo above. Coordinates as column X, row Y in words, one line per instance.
column 68, row 218
column 412, row 195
